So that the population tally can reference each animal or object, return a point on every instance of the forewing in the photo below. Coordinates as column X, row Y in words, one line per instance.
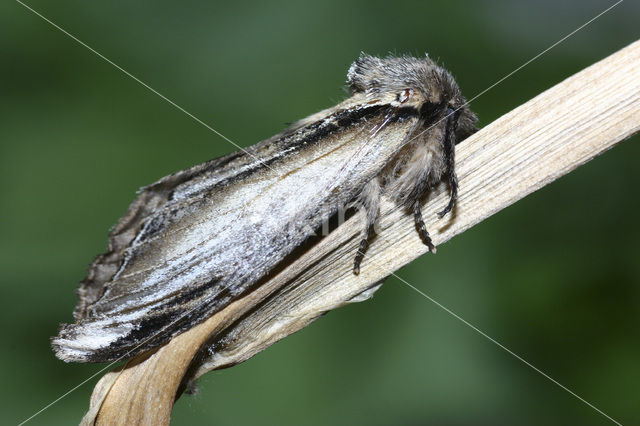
column 196, row 240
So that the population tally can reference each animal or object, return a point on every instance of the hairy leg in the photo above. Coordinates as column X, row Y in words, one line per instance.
column 422, row 229
column 369, row 201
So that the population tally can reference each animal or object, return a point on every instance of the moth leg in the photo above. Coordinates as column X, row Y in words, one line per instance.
column 369, row 201
column 364, row 244
column 449, row 158
column 453, row 191
column 422, row 229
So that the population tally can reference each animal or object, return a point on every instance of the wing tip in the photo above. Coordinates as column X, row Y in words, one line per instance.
column 89, row 343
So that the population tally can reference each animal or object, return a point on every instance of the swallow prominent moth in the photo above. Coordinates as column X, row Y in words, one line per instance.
column 196, row 240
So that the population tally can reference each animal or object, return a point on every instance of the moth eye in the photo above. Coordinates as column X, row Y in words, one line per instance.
column 405, row 95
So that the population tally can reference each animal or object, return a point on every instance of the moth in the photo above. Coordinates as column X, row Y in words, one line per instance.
column 198, row 239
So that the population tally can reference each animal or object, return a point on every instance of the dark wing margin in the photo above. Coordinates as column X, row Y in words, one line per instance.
column 150, row 198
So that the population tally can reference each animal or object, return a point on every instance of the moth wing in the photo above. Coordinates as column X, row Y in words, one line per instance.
column 150, row 199
column 196, row 240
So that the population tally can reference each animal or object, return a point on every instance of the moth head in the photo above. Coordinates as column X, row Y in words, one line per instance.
column 413, row 82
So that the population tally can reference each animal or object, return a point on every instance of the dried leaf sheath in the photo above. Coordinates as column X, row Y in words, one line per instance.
column 194, row 241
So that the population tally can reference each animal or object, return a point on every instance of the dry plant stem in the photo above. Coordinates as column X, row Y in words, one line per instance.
column 531, row 146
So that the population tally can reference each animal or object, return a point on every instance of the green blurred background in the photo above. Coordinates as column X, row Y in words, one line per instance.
column 555, row 277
